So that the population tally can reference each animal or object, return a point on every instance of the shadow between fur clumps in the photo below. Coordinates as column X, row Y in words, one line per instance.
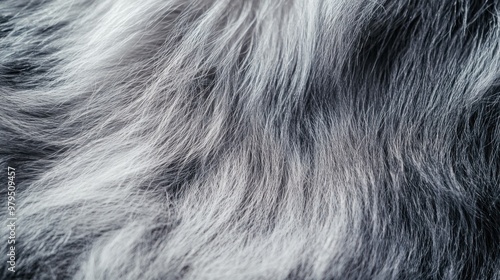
column 251, row 139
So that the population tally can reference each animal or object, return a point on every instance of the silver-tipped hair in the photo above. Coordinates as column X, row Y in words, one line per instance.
column 261, row 139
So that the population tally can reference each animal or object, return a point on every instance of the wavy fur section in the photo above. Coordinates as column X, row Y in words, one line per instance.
column 261, row 139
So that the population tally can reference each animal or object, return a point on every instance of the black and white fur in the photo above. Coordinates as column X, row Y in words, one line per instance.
column 257, row 139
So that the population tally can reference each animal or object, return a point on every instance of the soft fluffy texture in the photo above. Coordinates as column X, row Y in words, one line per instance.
column 260, row 139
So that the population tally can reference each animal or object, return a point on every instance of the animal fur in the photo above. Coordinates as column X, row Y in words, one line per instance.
column 258, row 139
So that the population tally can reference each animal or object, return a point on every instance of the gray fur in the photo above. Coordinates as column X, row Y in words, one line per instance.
column 263, row 139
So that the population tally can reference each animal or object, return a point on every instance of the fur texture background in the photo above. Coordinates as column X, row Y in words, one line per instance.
column 259, row 139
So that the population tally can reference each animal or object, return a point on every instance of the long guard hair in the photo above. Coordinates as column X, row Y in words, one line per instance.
column 256, row 139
